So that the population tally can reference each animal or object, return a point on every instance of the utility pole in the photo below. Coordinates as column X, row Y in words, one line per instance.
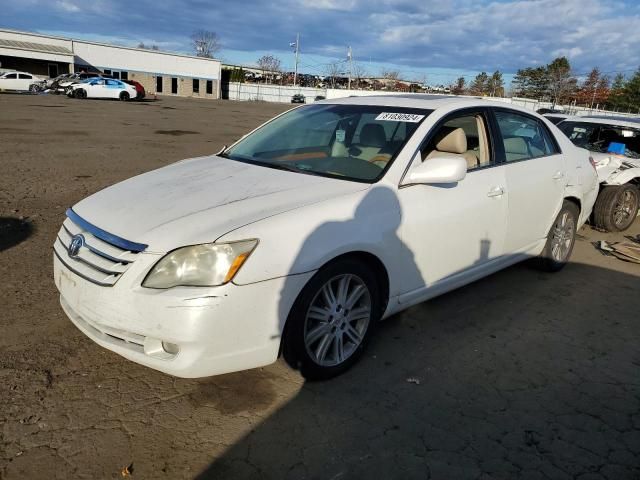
column 296, row 47
column 349, row 57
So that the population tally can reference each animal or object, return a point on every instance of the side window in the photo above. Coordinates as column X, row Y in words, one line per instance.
column 463, row 135
column 24, row 76
column 12, row 75
column 523, row 137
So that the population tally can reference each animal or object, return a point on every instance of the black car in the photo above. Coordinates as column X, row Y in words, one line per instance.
column 298, row 98
column 319, row 97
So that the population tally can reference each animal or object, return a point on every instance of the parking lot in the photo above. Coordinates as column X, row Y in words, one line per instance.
column 520, row 375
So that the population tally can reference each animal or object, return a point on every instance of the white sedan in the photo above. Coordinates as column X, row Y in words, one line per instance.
column 19, row 82
column 102, row 88
column 302, row 235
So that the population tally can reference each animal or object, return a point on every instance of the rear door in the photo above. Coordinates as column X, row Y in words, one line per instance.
column 24, row 81
column 536, row 176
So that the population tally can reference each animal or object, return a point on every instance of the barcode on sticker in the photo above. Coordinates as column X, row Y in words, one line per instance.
column 399, row 117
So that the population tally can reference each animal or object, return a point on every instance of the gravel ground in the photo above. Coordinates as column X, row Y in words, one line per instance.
column 520, row 375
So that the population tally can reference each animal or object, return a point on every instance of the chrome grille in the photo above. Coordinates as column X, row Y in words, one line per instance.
column 92, row 257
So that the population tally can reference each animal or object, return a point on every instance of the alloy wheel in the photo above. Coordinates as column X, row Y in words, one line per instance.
column 337, row 320
column 563, row 232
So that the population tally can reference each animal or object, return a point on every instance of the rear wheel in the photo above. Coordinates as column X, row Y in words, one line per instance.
column 616, row 207
column 124, row 96
column 332, row 320
column 561, row 239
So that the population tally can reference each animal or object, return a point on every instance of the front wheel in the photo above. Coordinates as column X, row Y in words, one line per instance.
column 616, row 207
column 332, row 320
column 34, row 88
column 124, row 96
column 561, row 239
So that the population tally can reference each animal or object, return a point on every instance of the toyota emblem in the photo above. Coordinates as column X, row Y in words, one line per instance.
column 77, row 241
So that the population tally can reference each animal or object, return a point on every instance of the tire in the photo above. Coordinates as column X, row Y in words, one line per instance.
column 81, row 93
column 33, row 88
column 124, row 96
column 314, row 339
column 561, row 239
column 616, row 207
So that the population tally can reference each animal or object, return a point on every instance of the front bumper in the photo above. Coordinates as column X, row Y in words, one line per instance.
column 214, row 330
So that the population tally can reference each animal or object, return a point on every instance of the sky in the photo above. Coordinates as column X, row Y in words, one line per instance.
column 436, row 41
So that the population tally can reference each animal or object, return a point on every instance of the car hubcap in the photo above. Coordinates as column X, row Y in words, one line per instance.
column 624, row 209
column 562, row 237
column 337, row 320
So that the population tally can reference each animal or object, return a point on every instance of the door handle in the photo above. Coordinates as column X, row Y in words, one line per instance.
column 558, row 175
column 496, row 192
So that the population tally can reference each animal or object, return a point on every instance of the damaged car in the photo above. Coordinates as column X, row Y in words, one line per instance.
column 301, row 236
column 614, row 143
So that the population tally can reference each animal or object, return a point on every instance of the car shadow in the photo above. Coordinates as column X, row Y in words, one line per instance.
column 522, row 374
column 13, row 231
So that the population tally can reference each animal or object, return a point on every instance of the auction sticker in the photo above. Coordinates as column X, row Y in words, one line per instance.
column 400, row 117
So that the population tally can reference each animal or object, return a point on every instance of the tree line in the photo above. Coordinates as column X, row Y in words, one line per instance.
column 557, row 83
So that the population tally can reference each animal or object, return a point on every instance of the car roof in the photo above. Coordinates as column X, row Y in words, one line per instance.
column 17, row 71
column 426, row 101
column 632, row 122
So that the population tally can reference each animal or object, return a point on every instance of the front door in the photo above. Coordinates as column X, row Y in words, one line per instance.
column 53, row 70
column 452, row 229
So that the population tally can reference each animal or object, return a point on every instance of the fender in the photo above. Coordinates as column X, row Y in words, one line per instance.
column 621, row 177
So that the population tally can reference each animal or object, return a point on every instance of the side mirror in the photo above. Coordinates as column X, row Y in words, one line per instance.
column 438, row 170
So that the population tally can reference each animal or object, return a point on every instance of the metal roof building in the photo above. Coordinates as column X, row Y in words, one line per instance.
column 164, row 73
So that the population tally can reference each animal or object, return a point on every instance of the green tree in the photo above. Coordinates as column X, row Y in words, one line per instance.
column 495, row 85
column 631, row 93
column 530, row 83
column 459, row 88
column 479, row 84
column 616, row 94
column 561, row 82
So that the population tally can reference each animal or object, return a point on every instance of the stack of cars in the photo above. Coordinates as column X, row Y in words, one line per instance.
column 614, row 143
column 65, row 83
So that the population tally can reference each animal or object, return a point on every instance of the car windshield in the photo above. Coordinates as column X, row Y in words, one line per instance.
column 603, row 138
column 351, row 142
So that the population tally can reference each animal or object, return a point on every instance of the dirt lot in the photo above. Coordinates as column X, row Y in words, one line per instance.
column 520, row 375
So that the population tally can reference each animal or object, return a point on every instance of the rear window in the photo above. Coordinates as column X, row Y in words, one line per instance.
column 603, row 138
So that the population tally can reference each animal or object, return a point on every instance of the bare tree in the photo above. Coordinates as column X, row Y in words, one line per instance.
column 332, row 70
column 390, row 74
column 270, row 66
column 205, row 43
column 358, row 72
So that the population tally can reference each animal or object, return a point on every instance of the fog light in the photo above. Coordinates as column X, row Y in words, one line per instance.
column 171, row 348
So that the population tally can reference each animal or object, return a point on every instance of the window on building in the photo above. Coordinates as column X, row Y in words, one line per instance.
column 107, row 72
column 174, row 85
column 116, row 75
column 196, row 85
column 158, row 84
column 124, row 75
column 209, row 87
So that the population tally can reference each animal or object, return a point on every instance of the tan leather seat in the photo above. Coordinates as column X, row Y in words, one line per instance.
column 454, row 140
column 372, row 140
column 515, row 148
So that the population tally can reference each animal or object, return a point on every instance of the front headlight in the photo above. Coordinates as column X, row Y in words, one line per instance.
column 207, row 265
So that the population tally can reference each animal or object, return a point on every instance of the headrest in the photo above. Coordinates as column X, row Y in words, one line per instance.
column 516, row 145
column 373, row 135
column 452, row 140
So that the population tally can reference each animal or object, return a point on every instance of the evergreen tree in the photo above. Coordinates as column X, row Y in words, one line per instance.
column 479, row 85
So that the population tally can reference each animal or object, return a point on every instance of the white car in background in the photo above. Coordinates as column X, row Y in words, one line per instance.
column 300, row 237
column 20, row 82
column 615, row 146
column 102, row 88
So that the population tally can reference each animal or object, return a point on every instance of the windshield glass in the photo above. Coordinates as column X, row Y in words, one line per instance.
column 602, row 138
column 352, row 142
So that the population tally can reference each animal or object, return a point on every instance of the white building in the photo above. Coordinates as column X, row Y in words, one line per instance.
column 159, row 72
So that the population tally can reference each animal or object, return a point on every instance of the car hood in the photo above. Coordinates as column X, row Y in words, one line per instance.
column 199, row 200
